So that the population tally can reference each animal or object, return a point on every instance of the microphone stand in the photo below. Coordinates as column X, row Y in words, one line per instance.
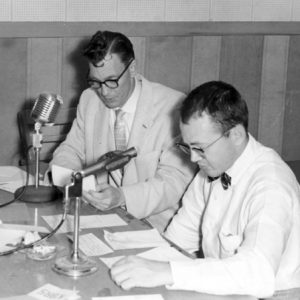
column 76, row 264
column 36, row 193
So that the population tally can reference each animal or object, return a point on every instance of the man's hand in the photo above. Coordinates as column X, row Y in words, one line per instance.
column 133, row 271
column 105, row 197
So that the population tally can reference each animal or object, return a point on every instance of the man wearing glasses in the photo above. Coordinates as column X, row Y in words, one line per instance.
column 119, row 110
column 240, row 214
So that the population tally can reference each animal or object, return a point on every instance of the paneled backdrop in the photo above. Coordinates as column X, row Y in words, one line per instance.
column 261, row 59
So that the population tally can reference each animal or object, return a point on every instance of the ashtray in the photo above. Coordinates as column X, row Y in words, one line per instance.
column 42, row 251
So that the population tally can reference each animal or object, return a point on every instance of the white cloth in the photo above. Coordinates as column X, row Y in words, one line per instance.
column 251, row 232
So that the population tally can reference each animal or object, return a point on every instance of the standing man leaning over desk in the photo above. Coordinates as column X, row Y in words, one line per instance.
column 249, row 219
column 153, row 182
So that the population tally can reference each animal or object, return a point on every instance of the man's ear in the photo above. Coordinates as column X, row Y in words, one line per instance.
column 132, row 68
column 238, row 134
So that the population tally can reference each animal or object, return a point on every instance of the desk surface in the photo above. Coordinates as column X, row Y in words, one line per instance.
column 21, row 275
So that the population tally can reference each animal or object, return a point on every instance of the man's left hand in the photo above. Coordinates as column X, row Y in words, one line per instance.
column 105, row 197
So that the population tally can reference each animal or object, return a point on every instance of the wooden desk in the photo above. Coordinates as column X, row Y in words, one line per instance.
column 21, row 275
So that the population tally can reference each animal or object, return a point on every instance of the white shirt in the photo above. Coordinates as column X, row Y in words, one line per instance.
column 129, row 108
column 251, row 232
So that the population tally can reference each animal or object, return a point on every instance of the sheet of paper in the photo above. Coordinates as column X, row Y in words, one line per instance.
column 131, row 297
column 135, row 239
column 12, row 178
column 93, row 221
column 99, row 221
column 25, row 227
column 9, row 238
column 159, row 253
column 90, row 245
column 62, row 176
column 53, row 221
column 52, row 292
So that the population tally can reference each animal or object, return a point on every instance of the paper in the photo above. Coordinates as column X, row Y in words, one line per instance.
column 12, row 178
column 52, row 292
column 62, row 176
column 99, row 221
column 25, row 227
column 132, row 297
column 159, row 254
column 93, row 221
column 135, row 239
column 53, row 221
column 9, row 238
column 90, row 245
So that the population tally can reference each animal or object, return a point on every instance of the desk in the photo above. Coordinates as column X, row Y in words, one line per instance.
column 21, row 275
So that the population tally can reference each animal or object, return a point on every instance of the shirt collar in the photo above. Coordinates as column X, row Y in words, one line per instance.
column 244, row 160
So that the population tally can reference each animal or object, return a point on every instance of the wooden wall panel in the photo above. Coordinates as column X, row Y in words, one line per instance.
column 241, row 61
column 206, row 59
column 44, row 67
column 291, row 128
column 139, row 45
column 261, row 60
column 272, row 104
column 13, row 85
column 168, row 61
column 74, row 70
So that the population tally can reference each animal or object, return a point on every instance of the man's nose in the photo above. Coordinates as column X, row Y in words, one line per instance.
column 104, row 90
column 195, row 156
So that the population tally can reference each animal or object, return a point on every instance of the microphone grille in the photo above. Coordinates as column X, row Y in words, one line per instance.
column 46, row 107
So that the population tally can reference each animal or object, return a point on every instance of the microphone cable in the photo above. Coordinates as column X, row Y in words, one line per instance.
column 47, row 236
column 26, row 181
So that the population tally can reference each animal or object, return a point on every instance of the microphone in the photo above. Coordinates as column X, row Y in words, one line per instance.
column 46, row 107
column 115, row 160
column 44, row 111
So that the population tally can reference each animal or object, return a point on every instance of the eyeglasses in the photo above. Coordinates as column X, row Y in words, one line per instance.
column 110, row 83
column 200, row 151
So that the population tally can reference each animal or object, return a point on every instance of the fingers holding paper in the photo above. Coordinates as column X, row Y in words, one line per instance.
column 133, row 271
column 105, row 197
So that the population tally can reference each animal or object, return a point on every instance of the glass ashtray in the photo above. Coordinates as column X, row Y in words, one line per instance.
column 43, row 251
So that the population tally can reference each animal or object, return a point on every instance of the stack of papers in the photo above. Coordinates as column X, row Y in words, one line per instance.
column 12, row 178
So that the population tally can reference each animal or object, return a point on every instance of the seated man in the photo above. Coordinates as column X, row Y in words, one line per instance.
column 120, row 110
column 241, row 211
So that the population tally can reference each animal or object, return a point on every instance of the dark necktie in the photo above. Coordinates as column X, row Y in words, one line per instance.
column 225, row 180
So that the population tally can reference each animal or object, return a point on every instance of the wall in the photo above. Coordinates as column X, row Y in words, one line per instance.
column 180, row 43
column 261, row 60
column 149, row 10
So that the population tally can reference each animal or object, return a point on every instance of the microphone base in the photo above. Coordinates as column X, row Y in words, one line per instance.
column 38, row 194
column 71, row 267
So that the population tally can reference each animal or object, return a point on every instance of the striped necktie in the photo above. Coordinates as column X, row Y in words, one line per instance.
column 120, row 131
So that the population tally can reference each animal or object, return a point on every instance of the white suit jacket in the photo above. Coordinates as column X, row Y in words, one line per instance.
column 154, row 181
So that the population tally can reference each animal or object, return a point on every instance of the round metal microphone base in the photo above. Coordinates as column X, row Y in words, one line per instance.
column 68, row 266
column 38, row 194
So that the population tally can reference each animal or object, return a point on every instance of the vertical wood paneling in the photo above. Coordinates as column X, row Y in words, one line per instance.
column 168, row 61
column 206, row 59
column 74, row 70
column 44, row 66
column 139, row 46
column 291, row 129
column 272, row 104
column 241, row 62
column 13, row 80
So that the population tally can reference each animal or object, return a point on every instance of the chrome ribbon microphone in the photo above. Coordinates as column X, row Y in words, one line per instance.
column 46, row 107
column 117, row 160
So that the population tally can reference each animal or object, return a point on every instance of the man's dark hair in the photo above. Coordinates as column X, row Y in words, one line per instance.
column 107, row 42
column 218, row 99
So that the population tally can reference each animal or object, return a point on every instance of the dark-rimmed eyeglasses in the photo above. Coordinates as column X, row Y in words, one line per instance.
column 110, row 83
column 200, row 151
